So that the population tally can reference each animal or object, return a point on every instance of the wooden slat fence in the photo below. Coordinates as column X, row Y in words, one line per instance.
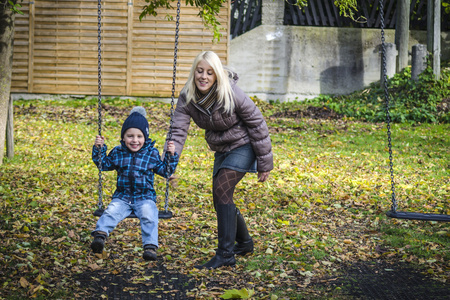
column 324, row 13
column 55, row 48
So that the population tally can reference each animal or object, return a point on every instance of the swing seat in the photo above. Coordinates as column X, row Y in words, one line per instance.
column 162, row 214
column 418, row 216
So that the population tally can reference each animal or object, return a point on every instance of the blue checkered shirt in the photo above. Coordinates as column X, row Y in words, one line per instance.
column 136, row 170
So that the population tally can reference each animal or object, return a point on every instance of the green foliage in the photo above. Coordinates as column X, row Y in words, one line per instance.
column 446, row 6
column 422, row 101
column 347, row 8
column 15, row 7
column 238, row 294
column 208, row 12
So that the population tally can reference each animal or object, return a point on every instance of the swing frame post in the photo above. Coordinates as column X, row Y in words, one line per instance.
column 162, row 214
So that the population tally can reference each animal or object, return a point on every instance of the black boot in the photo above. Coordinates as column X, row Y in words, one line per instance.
column 226, row 229
column 150, row 252
column 244, row 242
column 99, row 243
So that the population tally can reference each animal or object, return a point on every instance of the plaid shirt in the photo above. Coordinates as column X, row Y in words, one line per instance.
column 135, row 170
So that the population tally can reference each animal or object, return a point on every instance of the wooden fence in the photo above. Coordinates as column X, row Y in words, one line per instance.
column 55, row 48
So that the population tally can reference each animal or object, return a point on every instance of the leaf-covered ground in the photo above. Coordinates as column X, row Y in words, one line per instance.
column 320, row 217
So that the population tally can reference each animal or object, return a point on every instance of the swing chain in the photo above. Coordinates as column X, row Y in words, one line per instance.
column 387, row 102
column 169, row 135
column 99, row 107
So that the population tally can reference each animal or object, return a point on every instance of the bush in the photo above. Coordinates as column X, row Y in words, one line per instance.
column 424, row 101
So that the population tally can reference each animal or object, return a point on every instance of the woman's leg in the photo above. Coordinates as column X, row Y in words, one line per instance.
column 224, row 184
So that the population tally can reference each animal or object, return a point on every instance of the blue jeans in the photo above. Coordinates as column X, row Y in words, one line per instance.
column 145, row 210
column 241, row 159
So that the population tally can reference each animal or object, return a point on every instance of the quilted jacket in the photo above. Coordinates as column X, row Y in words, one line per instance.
column 223, row 131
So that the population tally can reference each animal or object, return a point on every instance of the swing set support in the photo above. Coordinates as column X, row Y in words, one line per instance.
column 162, row 214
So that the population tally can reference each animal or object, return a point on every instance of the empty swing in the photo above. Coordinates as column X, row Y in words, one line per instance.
column 393, row 213
column 163, row 214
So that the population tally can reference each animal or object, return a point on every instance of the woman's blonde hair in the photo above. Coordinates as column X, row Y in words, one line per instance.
column 225, row 94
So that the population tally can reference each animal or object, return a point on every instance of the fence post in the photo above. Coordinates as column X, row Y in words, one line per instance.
column 391, row 61
column 272, row 12
column 419, row 60
column 129, row 73
column 31, row 25
column 10, row 130
column 436, row 50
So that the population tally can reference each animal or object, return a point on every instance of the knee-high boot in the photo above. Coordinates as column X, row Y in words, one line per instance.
column 226, row 229
column 244, row 242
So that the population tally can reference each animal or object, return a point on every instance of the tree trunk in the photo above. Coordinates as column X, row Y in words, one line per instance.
column 402, row 33
column 6, row 60
column 10, row 131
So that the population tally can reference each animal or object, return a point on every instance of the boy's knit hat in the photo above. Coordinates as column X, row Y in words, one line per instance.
column 136, row 119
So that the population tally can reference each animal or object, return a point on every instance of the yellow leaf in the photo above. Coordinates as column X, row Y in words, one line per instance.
column 23, row 282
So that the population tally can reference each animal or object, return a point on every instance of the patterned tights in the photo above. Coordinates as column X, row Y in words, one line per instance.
column 223, row 186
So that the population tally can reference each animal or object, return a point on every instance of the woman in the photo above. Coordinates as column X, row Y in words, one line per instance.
column 236, row 130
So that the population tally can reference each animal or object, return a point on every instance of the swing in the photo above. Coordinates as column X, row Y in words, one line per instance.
column 393, row 213
column 162, row 214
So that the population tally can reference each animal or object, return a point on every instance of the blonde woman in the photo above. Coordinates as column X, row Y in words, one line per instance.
column 236, row 131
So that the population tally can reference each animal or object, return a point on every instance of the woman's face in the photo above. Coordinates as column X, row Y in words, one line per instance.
column 204, row 77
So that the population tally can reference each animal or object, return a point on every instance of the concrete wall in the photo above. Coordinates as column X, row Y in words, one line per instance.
column 297, row 62
column 294, row 62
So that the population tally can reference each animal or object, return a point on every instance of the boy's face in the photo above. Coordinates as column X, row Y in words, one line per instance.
column 134, row 139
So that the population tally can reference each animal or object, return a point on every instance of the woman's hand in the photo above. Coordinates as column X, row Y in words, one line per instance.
column 263, row 176
column 99, row 141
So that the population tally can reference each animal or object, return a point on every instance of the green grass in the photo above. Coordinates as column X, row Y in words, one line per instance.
column 323, row 207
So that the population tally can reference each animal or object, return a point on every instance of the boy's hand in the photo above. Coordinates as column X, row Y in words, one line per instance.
column 99, row 141
column 171, row 147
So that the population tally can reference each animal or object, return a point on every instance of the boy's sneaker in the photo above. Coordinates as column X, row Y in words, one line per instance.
column 98, row 244
column 149, row 252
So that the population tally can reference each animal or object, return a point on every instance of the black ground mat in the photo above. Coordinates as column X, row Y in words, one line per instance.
column 381, row 280
column 154, row 283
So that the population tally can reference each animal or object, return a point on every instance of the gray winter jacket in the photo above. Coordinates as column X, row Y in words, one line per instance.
column 225, row 132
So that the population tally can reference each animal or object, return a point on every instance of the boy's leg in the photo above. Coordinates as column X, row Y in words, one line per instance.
column 116, row 211
column 147, row 212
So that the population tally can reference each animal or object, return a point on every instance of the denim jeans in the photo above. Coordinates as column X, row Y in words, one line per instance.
column 145, row 210
column 241, row 159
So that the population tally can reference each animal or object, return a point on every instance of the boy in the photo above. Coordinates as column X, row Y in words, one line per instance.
column 136, row 161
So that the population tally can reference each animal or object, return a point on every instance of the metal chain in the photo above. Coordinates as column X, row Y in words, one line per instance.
column 169, row 135
column 99, row 107
column 387, row 102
